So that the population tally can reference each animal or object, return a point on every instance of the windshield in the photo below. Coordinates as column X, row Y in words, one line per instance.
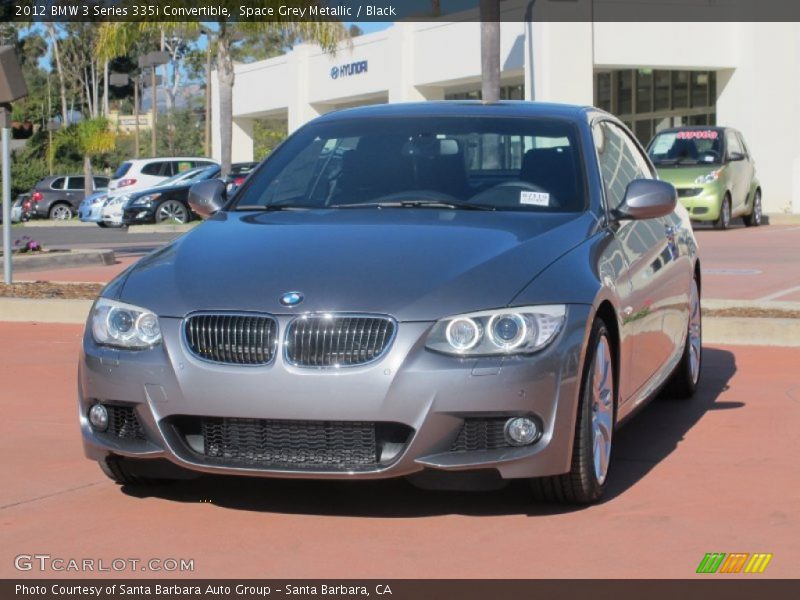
column 686, row 148
column 196, row 174
column 488, row 162
column 121, row 170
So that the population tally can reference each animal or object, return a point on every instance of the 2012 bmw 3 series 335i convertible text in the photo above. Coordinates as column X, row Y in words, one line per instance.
column 458, row 293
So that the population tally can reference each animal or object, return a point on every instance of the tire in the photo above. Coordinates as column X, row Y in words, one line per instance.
column 119, row 472
column 755, row 216
column 684, row 380
column 101, row 224
column 60, row 212
column 172, row 210
column 594, row 428
column 724, row 219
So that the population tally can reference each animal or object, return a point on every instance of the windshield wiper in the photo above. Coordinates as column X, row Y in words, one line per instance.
column 416, row 204
column 275, row 207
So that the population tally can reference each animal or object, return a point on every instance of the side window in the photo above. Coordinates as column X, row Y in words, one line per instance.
column 619, row 159
column 100, row 183
column 75, row 183
column 154, row 168
column 733, row 143
column 58, row 184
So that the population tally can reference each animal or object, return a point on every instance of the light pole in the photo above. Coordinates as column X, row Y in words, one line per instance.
column 121, row 80
column 151, row 60
column 12, row 87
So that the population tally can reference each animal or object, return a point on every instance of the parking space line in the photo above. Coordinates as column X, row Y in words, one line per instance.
column 779, row 293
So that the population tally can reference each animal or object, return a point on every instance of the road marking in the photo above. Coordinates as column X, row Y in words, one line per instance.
column 731, row 272
column 779, row 293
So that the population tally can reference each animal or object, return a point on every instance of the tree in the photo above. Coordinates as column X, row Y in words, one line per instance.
column 52, row 35
column 115, row 37
column 90, row 138
column 490, row 50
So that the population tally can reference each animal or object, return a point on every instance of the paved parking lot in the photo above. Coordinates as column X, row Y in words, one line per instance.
column 717, row 474
column 742, row 263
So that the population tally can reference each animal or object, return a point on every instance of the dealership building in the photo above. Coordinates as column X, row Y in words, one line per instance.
column 651, row 75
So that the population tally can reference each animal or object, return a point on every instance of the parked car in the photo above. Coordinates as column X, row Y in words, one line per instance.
column 142, row 173
column 112, row 210
column 474, row 293
column 91, row 209
column 17, row 213
column 239, row 172
column 58, row 197
column 168, row 202
column 713, row 171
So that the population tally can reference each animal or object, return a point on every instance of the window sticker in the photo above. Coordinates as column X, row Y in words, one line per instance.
column 663, row 143
column 699, row 134
column 534, row 198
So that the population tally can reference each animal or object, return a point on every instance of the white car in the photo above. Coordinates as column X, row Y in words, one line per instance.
column 112, row 211
column 142, row 173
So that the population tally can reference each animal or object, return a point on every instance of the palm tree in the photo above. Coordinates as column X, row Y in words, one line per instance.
column 116, row 38
column 89, row 137
column 490, row 50
column 62, row 88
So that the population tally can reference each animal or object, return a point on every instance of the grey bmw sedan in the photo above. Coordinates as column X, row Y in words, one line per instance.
column 458, row 293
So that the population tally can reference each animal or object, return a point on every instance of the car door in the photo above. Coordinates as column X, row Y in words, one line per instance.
column 737, row 165
column 75, row 191
column 649, row 325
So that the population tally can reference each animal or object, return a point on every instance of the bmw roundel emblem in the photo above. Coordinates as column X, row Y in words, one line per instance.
column 292, row 298
column 335, row 73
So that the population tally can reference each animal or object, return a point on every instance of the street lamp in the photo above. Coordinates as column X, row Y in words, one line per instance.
column 151, row 60
column 121, row 80
column 12, row 87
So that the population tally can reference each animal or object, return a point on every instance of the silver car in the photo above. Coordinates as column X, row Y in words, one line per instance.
column 457, row 293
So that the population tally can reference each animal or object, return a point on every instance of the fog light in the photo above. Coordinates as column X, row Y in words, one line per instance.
column 98, row 417
column 521, row 431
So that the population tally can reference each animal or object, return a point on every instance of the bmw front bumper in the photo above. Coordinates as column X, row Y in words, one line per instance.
column 428, row 402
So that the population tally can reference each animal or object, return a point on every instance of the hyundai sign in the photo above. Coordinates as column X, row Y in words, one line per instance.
column 346, row 70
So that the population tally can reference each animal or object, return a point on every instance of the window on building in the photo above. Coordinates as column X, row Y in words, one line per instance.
column 648, row 101
column 507, row 92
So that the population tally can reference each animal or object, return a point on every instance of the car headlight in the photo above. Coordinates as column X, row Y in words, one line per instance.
column 521, row 330
column 709, row 177
column 124, row 326
column 145, row 200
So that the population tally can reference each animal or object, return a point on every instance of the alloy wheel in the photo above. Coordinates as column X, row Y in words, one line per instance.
column 695, row 333
column 61, row 213
column 757, row 209
column 602, row 409
column 172, row 210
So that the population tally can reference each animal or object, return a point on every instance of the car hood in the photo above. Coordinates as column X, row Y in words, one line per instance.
column 414, row 264
column 684, row 176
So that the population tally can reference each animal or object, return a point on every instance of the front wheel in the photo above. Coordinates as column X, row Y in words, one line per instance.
column 724, row 219
column 755, row 216
column 594, row 429
column 172, row 210
column 684, row 380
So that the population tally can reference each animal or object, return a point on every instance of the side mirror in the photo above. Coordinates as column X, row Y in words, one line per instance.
column 207, row 197
column 735, row 156
column 647, row 199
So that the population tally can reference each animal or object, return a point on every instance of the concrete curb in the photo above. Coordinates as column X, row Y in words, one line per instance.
column 134, row 229
column 44, row 310
column 58, row 260
column 52, row 223
column 782, row 219
column 736, row 331
column 754, row 331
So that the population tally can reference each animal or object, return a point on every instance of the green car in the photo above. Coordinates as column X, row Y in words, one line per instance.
column 713, row 172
